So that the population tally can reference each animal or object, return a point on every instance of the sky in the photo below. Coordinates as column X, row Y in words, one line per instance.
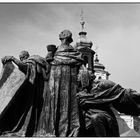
column 114, row 28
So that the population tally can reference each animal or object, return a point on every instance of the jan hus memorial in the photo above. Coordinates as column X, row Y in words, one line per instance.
column 60, row 95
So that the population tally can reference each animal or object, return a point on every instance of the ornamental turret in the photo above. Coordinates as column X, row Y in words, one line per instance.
column 99, row 69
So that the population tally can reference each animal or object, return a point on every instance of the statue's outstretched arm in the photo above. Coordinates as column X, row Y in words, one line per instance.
column 21, row 65
column 128, row 103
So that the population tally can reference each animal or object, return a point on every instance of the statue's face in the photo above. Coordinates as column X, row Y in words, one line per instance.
column 23, row 56
column 66, row 36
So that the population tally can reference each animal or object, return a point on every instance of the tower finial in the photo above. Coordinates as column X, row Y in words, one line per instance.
column 96, row 56
column 82, row 22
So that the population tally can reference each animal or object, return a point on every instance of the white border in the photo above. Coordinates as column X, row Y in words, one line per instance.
column 69, row 1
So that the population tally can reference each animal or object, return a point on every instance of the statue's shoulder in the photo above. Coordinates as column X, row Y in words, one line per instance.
column 65, row 48
column 67, row 56
column 38, row 59
column 104, row 84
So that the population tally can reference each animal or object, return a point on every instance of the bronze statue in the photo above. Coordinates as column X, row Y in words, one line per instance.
column 61, row 112
column 61, row 98
column 96, row 107
column 22, row 115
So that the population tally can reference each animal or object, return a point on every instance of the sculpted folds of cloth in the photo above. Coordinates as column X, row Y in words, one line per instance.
column 20, row 116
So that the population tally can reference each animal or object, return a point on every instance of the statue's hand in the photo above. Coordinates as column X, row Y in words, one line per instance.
column 6, row 59
column 82, row 96
column 3, row 60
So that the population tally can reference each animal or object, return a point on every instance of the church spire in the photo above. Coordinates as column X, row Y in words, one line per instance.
column 84, row 46
column 83, row 41
column 82, row 22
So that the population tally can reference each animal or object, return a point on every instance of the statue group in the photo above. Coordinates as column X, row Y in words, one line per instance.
column 59, row 97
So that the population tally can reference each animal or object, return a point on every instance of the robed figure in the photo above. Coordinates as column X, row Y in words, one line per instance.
column 97, row 102
column 61, row 112
column 21, row 115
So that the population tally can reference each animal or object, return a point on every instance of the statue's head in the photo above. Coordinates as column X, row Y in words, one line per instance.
column 23, row 55
column 66, row 35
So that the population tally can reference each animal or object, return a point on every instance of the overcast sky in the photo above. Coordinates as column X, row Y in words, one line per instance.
column 114, row 28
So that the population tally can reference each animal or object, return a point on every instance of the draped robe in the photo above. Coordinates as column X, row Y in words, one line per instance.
column 20, row 117
column 62, row 118
column 98, row 117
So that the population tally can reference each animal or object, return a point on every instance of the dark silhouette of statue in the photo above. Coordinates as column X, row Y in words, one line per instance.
column 61, row 112
column 22, row 115
column 96, row 103
column 59, row 97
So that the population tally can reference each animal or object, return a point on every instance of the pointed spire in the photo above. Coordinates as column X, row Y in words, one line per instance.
column 82, row 22
column 83, row 41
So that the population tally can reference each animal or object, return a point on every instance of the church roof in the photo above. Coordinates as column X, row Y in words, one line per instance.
column 99, row 67
column 83, row 39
